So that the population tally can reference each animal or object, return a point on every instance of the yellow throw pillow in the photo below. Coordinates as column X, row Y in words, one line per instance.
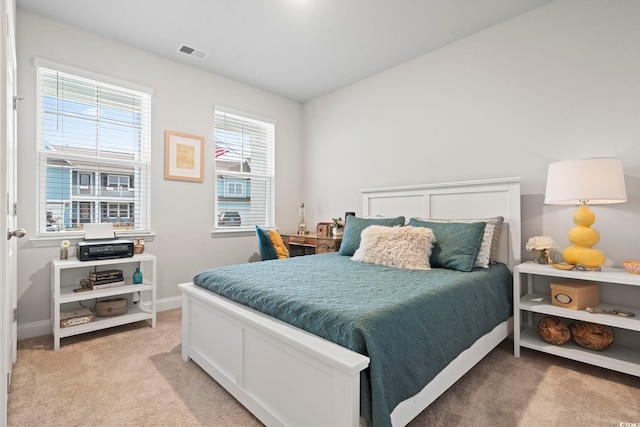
column 278, row 244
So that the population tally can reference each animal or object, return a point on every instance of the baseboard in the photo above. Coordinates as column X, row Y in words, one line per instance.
column 43, row 327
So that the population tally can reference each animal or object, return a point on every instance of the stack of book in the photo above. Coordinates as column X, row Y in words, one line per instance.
column 106, row 279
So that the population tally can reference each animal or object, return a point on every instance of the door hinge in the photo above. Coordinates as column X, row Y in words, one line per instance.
column 15, row 314
column 15, row 102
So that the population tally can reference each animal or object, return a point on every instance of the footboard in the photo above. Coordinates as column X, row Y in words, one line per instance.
column 283, row 375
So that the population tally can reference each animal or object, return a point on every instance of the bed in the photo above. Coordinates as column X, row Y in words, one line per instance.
column 333, row 367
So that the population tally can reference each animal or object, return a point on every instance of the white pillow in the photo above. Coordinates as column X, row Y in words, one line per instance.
column 401, row 247
column 488, row 253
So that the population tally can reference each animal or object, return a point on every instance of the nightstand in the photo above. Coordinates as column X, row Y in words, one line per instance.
column 309, row 244
column 619, row 290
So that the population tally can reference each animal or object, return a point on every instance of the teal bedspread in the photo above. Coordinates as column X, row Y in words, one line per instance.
column 410, row 323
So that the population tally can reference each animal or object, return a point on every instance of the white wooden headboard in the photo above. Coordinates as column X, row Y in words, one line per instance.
column 469, row 199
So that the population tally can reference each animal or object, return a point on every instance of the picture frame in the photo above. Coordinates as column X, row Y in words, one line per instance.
column 183, row 156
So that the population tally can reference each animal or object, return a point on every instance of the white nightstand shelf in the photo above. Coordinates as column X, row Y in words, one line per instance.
column 66, row 273
column 534, row 301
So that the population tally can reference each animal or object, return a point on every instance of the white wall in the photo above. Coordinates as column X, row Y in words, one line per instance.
column 182, row 212
column 560, row 82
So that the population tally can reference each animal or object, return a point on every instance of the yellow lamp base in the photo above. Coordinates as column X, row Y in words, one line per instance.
column 584, row 258
column 583, row 238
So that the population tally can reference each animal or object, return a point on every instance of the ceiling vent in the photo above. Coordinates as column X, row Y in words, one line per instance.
column 192, row 52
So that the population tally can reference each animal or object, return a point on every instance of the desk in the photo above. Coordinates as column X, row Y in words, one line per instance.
column 309, row 244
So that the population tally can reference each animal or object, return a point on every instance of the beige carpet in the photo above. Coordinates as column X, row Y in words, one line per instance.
column 133, row 376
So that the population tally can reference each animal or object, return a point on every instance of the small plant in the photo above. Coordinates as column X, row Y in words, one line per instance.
column 337, row 222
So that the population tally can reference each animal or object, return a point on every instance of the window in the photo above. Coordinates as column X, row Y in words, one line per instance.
column 244, row 168
column 234, row 189
column 94, row 151
column 117, row 212
column 118, row 182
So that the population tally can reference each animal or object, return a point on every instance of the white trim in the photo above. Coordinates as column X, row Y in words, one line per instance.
column 46, row 63
column 244, row 114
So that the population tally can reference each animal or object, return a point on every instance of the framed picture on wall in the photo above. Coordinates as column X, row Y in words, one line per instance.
column 183, row 156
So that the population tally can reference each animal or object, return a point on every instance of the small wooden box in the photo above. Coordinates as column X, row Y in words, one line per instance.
column 575, row 295
column 74, row 318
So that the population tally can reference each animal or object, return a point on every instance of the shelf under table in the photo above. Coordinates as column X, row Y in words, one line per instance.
column 134, row 314
column 618, row 357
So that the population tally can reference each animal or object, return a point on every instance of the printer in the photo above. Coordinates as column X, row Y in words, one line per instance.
column 100, row 243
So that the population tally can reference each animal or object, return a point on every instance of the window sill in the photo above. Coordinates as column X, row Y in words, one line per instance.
column 45, row 241
column 232, row 232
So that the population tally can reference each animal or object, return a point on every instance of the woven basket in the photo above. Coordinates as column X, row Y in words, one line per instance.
column 553, row 330
column 592, row 335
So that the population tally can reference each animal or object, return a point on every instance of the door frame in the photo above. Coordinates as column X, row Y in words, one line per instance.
column 8, row 217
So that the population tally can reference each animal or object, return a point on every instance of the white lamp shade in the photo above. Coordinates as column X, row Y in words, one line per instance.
column 592, row 181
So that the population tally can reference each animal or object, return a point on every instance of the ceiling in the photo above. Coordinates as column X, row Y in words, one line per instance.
column 299, row 49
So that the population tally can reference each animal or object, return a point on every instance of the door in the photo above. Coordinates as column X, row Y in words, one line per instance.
column 8, row 204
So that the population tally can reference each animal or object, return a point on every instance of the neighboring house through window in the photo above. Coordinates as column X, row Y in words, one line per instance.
column 244, row 169
column 94, row 151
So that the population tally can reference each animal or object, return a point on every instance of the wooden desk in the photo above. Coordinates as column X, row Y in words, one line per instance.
column 309, row 244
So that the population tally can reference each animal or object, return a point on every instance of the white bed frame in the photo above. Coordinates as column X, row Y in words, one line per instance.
column 288, row 377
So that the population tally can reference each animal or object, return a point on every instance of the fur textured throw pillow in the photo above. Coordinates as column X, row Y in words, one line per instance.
column 401, row 247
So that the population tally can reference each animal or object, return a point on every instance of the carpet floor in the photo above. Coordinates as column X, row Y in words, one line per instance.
column 133, row 375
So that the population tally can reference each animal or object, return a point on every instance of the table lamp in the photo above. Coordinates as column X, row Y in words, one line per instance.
column 585, row 182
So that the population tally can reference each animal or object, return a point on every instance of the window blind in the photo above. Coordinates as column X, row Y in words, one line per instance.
column 94, row 151
column 244, row 170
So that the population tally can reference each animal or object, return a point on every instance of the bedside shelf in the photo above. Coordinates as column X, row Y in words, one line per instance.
column 62, row 294
column 618, row 356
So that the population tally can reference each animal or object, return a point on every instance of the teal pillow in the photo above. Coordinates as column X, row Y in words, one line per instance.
column 267, row 251
column 354, row 226
column 456, row 245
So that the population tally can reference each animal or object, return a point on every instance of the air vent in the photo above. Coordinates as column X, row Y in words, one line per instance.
column 192, row 52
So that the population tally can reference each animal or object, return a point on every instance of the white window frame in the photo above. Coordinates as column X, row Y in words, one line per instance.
column 140, row 165
column 268, row 178
column 118, row 208
column 118, row 184
column 230, row 189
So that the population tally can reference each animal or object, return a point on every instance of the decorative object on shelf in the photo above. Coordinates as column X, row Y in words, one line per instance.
column 137, row 276
column 553, row 330
column 138, row 246
column 302, row 225
column 575, row 295
column 585, row 182
column 541, row 246
column 85, row 285
column 323, row 228
column 592, row 335
column 64, row 249
column 183, row 156
column 76, row 317
column 632, row 266
column 112, row 307
column 563, row 265
column 615, row 312
column 337, row 226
